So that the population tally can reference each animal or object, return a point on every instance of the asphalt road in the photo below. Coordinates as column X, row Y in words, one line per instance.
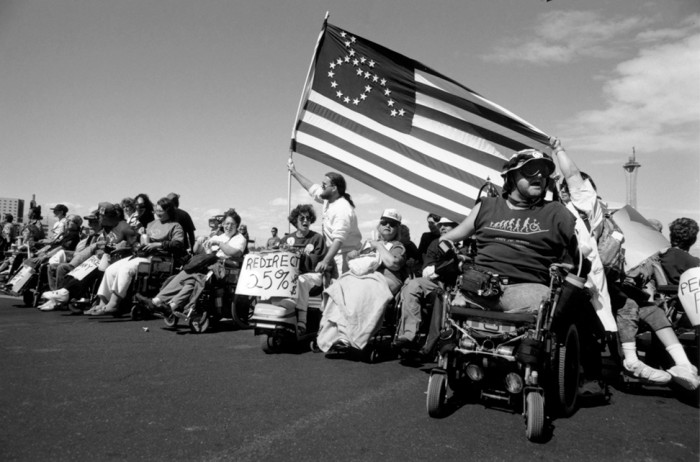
column 79, row 388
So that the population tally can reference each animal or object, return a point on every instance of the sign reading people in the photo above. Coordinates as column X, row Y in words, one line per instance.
column 269, row 274
column 689, row 294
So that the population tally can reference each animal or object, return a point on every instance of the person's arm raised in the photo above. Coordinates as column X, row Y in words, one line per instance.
column 303, row 181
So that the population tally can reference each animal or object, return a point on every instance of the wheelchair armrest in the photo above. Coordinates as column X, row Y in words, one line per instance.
column 668, row 289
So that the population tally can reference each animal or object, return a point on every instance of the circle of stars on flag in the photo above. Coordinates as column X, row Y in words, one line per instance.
column 365, row 69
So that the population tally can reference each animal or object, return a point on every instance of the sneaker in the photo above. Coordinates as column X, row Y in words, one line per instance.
column 641, row 371
column 60, row 295
column 684, row 376
column 48, row 306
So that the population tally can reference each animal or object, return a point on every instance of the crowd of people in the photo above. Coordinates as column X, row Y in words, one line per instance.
column 516, row 236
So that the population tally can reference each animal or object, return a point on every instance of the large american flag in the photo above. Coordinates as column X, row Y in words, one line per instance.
column 402, row 128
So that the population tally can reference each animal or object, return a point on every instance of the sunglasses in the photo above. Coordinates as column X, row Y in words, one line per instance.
column 304, row 218
column 391, row 223
column 533, row 169
column 325, row 185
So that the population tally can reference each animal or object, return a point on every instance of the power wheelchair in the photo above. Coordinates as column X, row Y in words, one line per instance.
column 527, row 362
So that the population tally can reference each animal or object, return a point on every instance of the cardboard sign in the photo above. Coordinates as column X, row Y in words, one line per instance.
column 21, row 278
column 85, row 268
column 269, row 274
column 689, row 294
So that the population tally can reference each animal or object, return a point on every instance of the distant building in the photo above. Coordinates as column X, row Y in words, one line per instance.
column 15, row 207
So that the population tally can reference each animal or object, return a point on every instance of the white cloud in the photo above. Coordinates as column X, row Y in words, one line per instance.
column 299, row 196
column 564, row 36
column 653, row 100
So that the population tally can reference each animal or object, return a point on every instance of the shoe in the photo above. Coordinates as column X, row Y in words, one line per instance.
column 147, row 302
column 341, row 346
column 48, row 306
column 95, row 310
column 591, row 388
column 60, row 295
column 641, row 371
column 402, row 343
column 684, row 376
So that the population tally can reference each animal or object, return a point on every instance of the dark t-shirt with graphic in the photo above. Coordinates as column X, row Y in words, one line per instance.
column 521, row 244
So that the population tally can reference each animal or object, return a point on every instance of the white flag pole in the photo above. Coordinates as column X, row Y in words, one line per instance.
column 304, row 97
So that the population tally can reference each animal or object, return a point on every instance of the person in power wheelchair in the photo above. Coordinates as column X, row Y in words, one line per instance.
column 358, row 299
column 187, row 284
column 163, row 236
column 522, row 242
column 521, row 234
column 417, row 291
column 313, row 248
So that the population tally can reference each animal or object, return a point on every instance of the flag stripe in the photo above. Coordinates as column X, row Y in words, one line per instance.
column 394, row 186
column 382, row 158
column 499, row 115
column 401, row 142
column 443, row 139
column 434, row 156
column 505, row 140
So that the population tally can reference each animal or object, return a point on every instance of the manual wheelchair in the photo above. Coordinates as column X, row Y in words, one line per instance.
column 513, row 360
column 215, row 300
column 150, row 276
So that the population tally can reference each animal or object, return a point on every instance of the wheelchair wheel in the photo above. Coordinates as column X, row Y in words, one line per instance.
column 28, row 298
column 199, row 323
column 437, row 392
column 171, row 320
column 241, row 311
column 271, row 344
column 137, row 313
column 568, row 372
column 534, row 416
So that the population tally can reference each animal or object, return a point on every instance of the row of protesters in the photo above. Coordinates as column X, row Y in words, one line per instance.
column 366, row 276
column 32, row 232
column 185, row 287
column 64, row 236
column 614, row 295
column 110, row 232
column 162, row 235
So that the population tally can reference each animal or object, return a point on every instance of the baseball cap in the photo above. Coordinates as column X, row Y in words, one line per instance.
column 392, row 214
column 60, row 207
column 446, row 221
column 109, row 214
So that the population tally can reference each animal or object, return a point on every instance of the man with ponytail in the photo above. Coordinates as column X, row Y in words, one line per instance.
column 339, row 223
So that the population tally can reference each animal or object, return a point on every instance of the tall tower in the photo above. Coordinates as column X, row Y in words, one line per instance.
column 631, row 168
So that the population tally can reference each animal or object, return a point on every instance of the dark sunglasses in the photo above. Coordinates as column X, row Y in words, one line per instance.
column 304, row 218
column 533, row 169
column 391, row 223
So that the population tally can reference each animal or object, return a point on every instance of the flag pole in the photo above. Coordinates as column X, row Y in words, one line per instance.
column 304, row 96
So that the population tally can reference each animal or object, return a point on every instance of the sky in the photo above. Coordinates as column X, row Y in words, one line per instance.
column 104, row 99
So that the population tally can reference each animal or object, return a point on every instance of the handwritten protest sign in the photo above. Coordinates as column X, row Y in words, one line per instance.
column 269, row 274
column 689, row 294
column 85, row 268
